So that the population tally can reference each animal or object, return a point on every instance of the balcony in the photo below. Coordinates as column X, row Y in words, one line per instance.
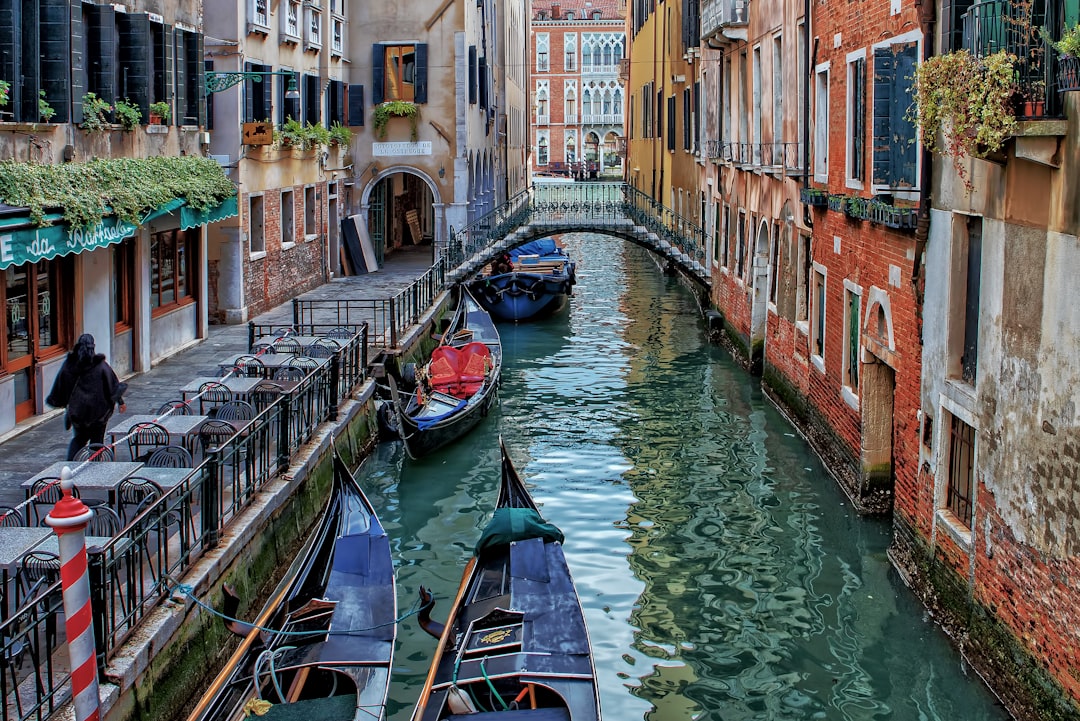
column 542, row 119
column 602, row 119
column 786, row 158
column 724, row 20
column 599, row 69
column 570, row 119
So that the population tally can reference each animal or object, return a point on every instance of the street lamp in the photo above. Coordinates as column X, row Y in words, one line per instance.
column 222, row 80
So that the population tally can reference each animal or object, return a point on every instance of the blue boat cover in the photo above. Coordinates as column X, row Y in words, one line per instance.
column 543, row 246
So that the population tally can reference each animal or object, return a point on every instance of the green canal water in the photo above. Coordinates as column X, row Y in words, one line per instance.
column 722, row 572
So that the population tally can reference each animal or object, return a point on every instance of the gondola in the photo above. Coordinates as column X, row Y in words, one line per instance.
column 334, row 625
column 530, row 282
column 455, row 389
column 515, row 643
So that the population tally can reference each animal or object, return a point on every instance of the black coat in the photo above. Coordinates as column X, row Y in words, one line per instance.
column 88, row 392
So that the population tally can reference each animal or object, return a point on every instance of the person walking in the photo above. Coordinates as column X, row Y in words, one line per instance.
column 88, row 387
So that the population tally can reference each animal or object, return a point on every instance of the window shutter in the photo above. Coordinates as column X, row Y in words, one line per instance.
column 420, row 83
column 884, row 72
column 208, row 66
column 180, row 52
column 57, row 61
column 472, row 75
column 671, row 123
column 337, row 102
column 356, row 106
column 28, row 77
column 101, row 41
column 78, row 65
column 197, row 78
column 482, row 81
column 378, row 70
column 686, row 118
column 249, row 94
column 135, row 64
column 858, row 119
column 311, row 99
column 904, row 151
column 11, row 47
column 163, row 68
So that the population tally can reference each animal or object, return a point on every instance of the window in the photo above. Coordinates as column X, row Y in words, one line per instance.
column 817, row 328
column 291, row 21
column 717, row 233
column 756, row 89
column 257, row 94
column 725, row 239
column 311, row 212
column 541, row 102
column 542, row 149
column 543, row 44
column 851, row 337
column 171, row 262
column 256, row 225
column 570, row 52
column 774, row 263
column 724, row 97
column 288, row 219
column 687, row 119
column 800, row 95
column 960, row 478
column 400, row 73
column 571, row 148
column 777, row 91
column 314, row 28
column 123, row 277
column 821, row 124
column 310, row 98
column 671, row 122
column 337, row 35
column 260, row 14
column 895, row 163
column 740, row 246
column 856, row 120
column 570, row 109
column 802, row 296
column 965, row 305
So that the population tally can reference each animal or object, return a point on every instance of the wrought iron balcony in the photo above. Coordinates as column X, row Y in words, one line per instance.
column 719, row 14
column 779, row 157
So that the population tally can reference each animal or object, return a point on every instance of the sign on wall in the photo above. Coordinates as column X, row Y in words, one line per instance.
column 386, row 150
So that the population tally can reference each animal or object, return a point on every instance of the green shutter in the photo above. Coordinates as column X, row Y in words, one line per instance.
column 136, row 65
column 57, row 63
column 904, row 150
column 420, row 81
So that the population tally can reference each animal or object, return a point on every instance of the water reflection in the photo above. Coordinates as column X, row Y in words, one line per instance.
column 723, row 575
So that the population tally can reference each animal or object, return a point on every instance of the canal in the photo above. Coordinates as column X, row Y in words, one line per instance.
column 722, row 572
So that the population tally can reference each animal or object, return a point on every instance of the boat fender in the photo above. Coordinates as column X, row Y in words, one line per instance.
column 535, row 289
column 459, row 701
column 408, row 375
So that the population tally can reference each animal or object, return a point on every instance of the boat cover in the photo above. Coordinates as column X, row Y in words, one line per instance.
column 516, row 524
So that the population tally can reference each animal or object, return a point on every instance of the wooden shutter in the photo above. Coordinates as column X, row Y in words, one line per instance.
column 356, row 106
column 163, row 67
column 249, row 94
column 78, row 66
column 11, row 48
column 336, row 96
column 472, row 75
column 208, row 66
column 378, row 73
column 482, row 81
column 180, row 52
column 28, row 79
column 134, row 77
column 858, row 119
column 311, row 99
column 197, row 78
column 883, row 87
column 420, row 79
column 56, row 61
column 904, row 150
column 671, row 122
column 102, row 43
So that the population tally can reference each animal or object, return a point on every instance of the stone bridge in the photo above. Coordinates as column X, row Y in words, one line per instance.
column 554, row 208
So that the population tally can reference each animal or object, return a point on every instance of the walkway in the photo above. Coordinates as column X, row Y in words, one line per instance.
column 27, row 450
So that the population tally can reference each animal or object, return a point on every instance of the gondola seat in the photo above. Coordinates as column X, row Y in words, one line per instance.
column 474, row 362
column 443, row 373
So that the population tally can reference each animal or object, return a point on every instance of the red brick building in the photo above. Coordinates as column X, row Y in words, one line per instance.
column 577, row 97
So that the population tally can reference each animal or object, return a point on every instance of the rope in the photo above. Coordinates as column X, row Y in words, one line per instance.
column 187, row 591
column 491, row 686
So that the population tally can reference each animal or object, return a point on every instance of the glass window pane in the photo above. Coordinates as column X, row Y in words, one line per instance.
column 16, row 314
column 155, row 270
column 47, row 307
column 181, row 268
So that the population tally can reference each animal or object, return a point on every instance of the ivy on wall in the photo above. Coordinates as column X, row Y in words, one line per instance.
column 125, row 187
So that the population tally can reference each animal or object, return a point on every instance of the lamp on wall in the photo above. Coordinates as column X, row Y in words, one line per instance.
column 218, row 80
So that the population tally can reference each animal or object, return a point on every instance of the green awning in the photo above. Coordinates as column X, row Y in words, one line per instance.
column 21, row 242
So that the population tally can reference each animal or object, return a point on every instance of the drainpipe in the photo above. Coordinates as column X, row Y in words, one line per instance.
column 927, row 21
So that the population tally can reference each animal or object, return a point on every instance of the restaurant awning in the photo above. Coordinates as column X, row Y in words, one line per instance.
column 22, row 242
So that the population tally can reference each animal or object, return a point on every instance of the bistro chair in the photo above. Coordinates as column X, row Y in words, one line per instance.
column 318, row 349
column 105, row 523
column 288, row 345
column 340, row 332
column 11, row 517
column 259, row 349
column 250, row 366
column 95, row 453
column 263, row 395
column 305, row 363
column 214, row 432
column 145, row 438
column 46, row 492
column 175, row 408
column 290, row 373
column 171, row 456
column 284, row 332
column 133, row 492
column 38, row 571
column 235, row 411
column 211, row 395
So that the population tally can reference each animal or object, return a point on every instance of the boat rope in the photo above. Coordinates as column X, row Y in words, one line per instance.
column 187, row 590
column 491, row 686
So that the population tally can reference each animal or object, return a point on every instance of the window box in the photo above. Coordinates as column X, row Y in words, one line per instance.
column 1068, row 74
column 890, row 215
column 856, row 207
column 836, row 202
column 814, row 197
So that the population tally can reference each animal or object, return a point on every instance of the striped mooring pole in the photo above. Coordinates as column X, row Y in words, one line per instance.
column 68, row 519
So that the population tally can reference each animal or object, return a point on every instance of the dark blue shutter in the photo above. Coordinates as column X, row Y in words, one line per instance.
column 56, row 57
column 420, row 83
column 208, row 66
column 378, row 70
column 101, row 54
column 472, row 75
column 180, row 52
column 482, row 81
column 134, row 78
column 356, row 106
column 311, row 99
column 904, row 150
column 10, row 47
column 337, row 103
column 884, row 73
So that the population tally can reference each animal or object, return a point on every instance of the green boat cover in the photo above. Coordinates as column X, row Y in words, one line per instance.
column 516, row 524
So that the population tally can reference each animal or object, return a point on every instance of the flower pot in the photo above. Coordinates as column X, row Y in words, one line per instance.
column 155, row 119
column 1033, row 109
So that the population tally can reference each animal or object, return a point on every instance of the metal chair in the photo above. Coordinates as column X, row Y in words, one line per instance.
column 133, row 492
column 250, row 366
column 290, row 373
column 211, row 395
column 46, row 492
column 263, row 395
column 175, row 408
column 171, row 456
column 263, row 349
column 214, row 432
column 340, row 332
column 284, row 331
column 104, row 523
column 235, row 411
column 11, row 517
column 288, row 345
column 95, row 453
column 305, row 363
column 145, row 438
column 318, row 349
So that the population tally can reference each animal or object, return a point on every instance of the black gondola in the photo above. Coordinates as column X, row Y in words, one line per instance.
column 515, row 644
column 334, row 625
column 456, row 387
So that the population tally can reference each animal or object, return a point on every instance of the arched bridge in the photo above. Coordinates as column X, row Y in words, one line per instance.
column 615, row 209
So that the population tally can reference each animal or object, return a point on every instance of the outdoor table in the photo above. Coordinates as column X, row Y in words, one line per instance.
column 16, row 542
column 241, row 386
column 271, row 362
column 183, row 430
column 103, row 476
column 167, row 478
column 303, row 340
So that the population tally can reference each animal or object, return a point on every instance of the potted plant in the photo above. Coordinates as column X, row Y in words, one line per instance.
column 964, row 104
column 340, row 135
column 95, row 113
column 1068, row 47
column 1033, row 100
column 127, row 114
column 395, row 108
column 45, row 110
column 160, row 112
column 5, row 90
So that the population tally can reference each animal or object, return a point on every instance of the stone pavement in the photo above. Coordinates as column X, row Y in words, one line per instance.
column 39, row 443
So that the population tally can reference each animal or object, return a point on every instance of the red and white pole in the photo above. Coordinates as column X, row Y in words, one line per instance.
column 68, row 519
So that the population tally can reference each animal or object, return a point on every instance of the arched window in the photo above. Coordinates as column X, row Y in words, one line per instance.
column 542, row 150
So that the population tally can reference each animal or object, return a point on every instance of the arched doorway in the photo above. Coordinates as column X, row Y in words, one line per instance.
column 759, row 306
column 401, row 212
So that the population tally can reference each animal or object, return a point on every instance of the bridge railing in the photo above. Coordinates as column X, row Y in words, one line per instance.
column 680, row 232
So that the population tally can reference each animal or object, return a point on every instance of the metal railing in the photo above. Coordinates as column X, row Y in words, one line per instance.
column 785, row 156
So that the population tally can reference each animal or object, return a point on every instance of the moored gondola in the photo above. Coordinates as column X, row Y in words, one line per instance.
column 530, row 282
column 322, row 647
column 455, row 389
column 515, row 644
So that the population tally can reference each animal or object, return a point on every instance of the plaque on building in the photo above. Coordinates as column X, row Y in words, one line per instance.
column 258, row 134
column 388, row 150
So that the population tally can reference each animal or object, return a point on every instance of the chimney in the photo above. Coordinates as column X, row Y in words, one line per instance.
column 556, row 11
